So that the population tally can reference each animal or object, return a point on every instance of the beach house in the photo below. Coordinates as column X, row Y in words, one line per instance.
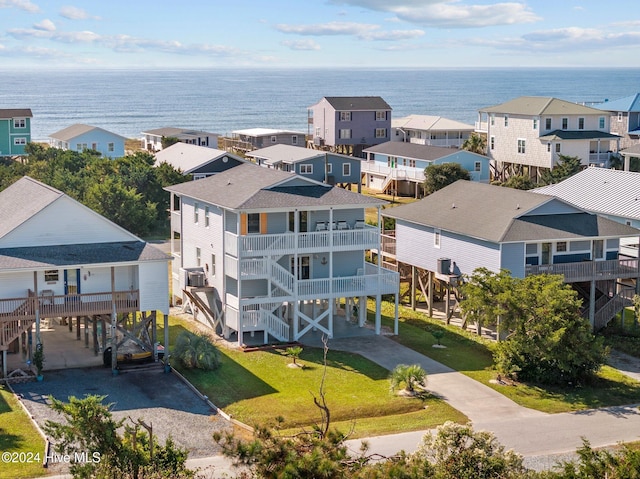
column 528, row 134
column 326, row 167
column 61, row 261
column 15, row 130
column 624, row 119
column 430, row 130
column 81, row 137
column 251, row 139
column 259, row 250
column 468, row 225
column 398, row 167
column 349, row 124
column 152, row 139
column 197, row 161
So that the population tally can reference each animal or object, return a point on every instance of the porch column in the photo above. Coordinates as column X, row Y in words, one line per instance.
column 362, row 311
column 413, row 287
column 167, row 366
column 627, row 163
column 95, row 334
column 378, row 313
column 114, row 326
column 86, row 331
column 4, row 363
column 395, row 321
column 36, row 304
column 447, row 302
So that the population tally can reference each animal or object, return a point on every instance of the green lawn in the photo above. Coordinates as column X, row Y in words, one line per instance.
column 17, row 434
column 472, row 356
column 257, row 387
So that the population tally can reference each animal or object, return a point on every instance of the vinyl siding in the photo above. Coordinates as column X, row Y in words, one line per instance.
column 512, row 259
column 154, row 287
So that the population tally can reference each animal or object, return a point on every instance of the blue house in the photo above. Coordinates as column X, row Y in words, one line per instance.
column 15, row 130
column 399, row 166
column 326, row 167
column 81, row 137
column 468, row 225
column 624, row 119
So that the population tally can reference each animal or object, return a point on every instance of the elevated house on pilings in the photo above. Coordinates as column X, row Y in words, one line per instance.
column 60, row 261
column 259, row 250
column 468, row 225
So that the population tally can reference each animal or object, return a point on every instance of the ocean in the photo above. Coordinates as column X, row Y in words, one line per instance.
column 128, row 102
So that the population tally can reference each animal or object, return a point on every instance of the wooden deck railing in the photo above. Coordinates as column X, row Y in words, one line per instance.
column 589, row 270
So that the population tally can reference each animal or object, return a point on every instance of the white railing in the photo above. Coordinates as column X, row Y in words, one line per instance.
column 401, row 173
column 253, row 267
column 588, row 270
column 275, row 326
column 599, row 157
column 231, row 266
column 482, row 126
column 282, row 277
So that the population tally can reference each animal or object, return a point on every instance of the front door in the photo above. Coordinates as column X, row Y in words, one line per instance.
column 71, row 281
column 303, row 267
column 546, row 253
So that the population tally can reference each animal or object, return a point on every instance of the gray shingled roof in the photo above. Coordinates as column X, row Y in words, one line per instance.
column 79, row 254
column 23, row 199
column 285, row 153
column 252, row 187
column 76, row 130
column 578, row 135
column 15, row 113
column 411, row 150
column 354, row 103
column 187, row 157
column 496, row 214
column 539, row 105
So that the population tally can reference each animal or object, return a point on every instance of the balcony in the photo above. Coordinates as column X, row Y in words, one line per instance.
column 590, row 270
column 402, row 173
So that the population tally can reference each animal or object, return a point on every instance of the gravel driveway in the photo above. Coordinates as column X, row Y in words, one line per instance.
column 152, row 395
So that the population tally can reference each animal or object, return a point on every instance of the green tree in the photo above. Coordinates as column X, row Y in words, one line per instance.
column 519, row 182
column 167, row 141
column 409, row 376
column 196, row 350
column 565, row 167
column 437, row 177
column 476, row 143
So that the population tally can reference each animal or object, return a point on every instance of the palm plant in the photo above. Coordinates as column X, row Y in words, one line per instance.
column 294, row 352
column 196, row 350
column 411, row 377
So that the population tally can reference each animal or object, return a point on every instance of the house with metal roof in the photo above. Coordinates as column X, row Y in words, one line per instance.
column 264, row 250
column 15, row 130
column 624, row 119
column 349, row 124
column 430, row 130
column 152, row 139
column 60, row 259
column 527, row 135
column 250, row 139
column 629, row 153
column 197, row 161
column 81, row 137
column 326, row 167
column 398, row 167
column 468, row 225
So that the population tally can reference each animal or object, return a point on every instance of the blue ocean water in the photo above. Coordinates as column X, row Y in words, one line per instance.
column 128, row 102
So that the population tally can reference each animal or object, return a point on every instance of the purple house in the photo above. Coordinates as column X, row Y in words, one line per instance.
column 349, row 124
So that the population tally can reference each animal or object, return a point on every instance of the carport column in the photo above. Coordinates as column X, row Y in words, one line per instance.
column 430, row 292
column 395, row 322
column 413, row 287
column 36, row 304
column 114, row 325
column 167, row 365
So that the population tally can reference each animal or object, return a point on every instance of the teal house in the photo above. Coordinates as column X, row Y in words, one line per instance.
column 15, row 130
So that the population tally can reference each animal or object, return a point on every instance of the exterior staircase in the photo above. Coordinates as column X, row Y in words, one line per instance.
column 611, row 308
column 12, row 328
column 213, row 318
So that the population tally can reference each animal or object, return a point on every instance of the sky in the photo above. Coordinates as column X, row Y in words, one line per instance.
column 85, row 34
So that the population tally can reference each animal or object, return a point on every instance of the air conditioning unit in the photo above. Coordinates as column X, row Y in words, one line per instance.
column 196, row 278
column 444, row 265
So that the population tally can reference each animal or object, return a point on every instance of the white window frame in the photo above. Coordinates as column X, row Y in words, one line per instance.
column 437, row 237
column 548, row 122
column 477, row 166
column 535, row 123
column 492, row 118
column 522, row 146
column 20, row 123
column 581, row 123
column 198, row 256
column 206, row 216
column 294, row 139
column 346, row 169
column 558, row 147
column 20, row 141
column 251, row 224
column 196, row 213
column 381, row 115
column 381, row 132
column 565, row 123
column 602, row 122
column 213, row 265
column 51, row 275
column 306, row 169
column 345, row 116
column 329, row 168
column 345, row 134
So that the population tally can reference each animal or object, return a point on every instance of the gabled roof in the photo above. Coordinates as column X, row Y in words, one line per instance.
column 15, row 113
column 188, row 158
column 429, row 123
column 22, row 200
column 628, row 103
column 169, row 131
column 631, row 151
column 249, row 186
column 601, row 190
column 265, row 132
column 578, row 135
column 413, row 150
column 357, row 103
column 285, row 154
column 73, row 131
column 498, row 214
column 539, row 105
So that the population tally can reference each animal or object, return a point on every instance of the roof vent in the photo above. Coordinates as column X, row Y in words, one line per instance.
column 518, row 206
column 453, row 205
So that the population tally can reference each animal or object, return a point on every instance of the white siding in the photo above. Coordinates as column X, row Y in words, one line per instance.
column 15, row 285
column 154, row 287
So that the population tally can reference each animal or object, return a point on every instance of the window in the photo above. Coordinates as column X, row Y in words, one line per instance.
column 206, row 216
column 535, row 123
column 306, row 169
column 492, row 118
column 381, row 132
column 558, row 148
column 521, row 146
column 213, row 265
column 81, row 146
column 548, row 147
column 547, row 123
column 492, row 142
column 19, row 141
column 198, row 256
column 531, row 248
column 294, row 139
column 51, row 275
column 412, row 163
column 345, row 134
column 561, row 246
column 110, row 147
column 619, row 116
column 253, row 223
column 346, row 169
column 274, row 139
column 329, row 168
column 565, row 123
column 381, row 115
column 345, row 116
column 19, row 123
column 580, row 123
column 318, row 131
column 303, row 221
column 436, row 238
column 477, row 166
column 506, row 120
column 601, row 122
column 195, row 212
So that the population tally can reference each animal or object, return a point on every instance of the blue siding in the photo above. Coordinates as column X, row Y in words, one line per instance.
column 612, row 255
column 512, row 258
column 554, row 207
column 336, row 163
column 468, row 160
column 571, row 258
column 102, row 139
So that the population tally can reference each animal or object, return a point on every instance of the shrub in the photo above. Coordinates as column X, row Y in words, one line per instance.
column 196, row 351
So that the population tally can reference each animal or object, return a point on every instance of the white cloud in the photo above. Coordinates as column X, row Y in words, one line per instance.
column 25, row 5
column 75, row 13
column 450, row 13
column 363, row 31
column 301, row 44
column 46, row 25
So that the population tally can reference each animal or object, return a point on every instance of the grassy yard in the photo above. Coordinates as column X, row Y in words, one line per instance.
column 17, row 434
column 259, row 386
column 472, row 356
column 624, row 334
